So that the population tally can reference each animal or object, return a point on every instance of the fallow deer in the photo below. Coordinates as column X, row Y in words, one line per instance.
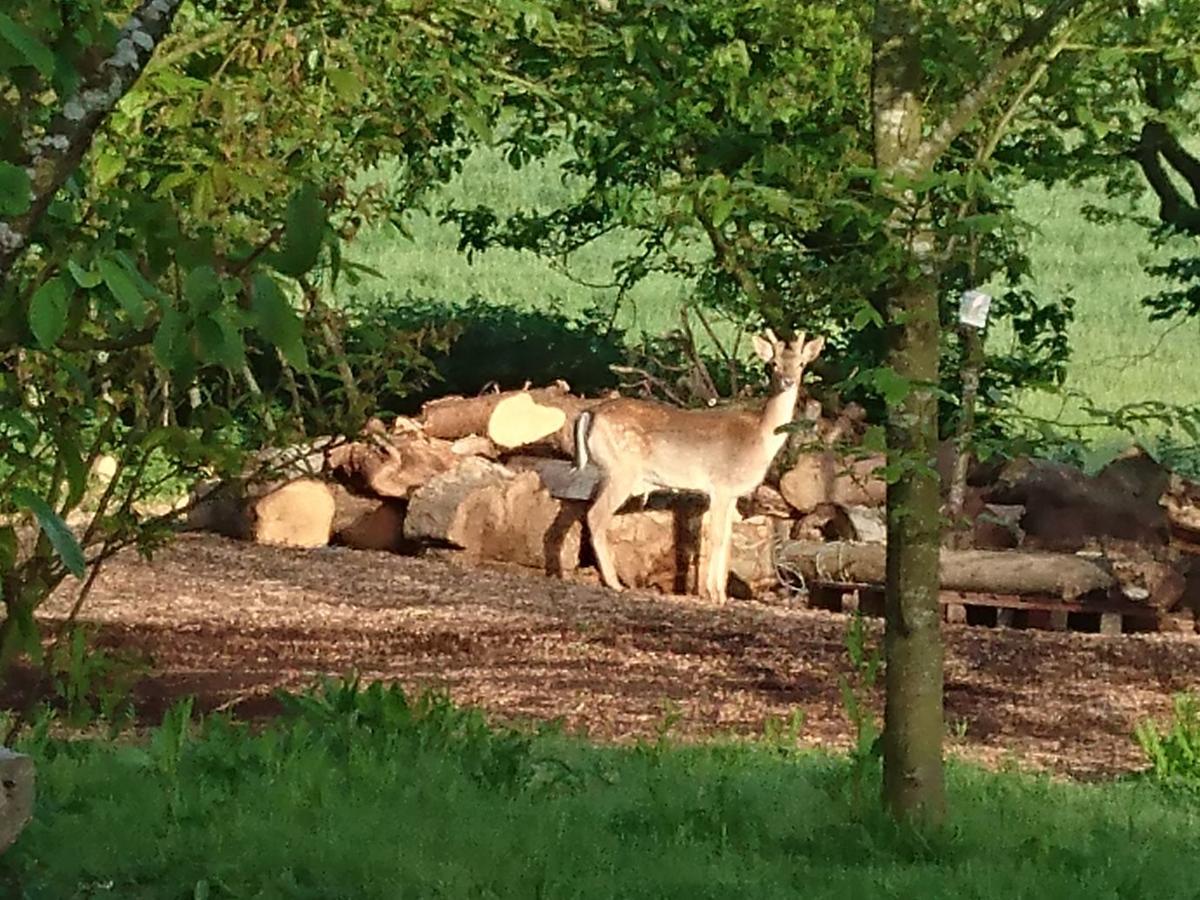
column 640, row 446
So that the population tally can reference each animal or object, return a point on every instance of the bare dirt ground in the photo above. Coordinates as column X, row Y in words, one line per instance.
column 231, row 622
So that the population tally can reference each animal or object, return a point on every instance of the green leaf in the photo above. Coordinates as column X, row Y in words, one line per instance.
column 85, row 278
column 168, row 342
column 276, row 321
column 347, row 85
column 71, row 455
column 15, row 191
column 64, row 542
column 48, row 312
column 202, row 288
column 721, row 209
column 892, row 386
column 124, row 289
column 16, row 423
column 875, row 439
column 27, row 44
column 304, row 230
column 220, row 341
column 107, row 167
column 866, row 315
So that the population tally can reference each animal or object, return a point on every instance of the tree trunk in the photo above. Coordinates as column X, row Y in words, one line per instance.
column 914, row 781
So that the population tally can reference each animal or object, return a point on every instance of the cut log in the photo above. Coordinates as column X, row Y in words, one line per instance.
column 765, row 501
column 659, row 548
column 1008, row 572
column 869, row 522
column 827, row 477
column 752, row 557
column 1147, row 576
column 392, row 466
column 475, row 445
column 495, row 514
column 457, row 417
column 1181, row 501
column 261, row 512
column 518, row 420
column 16, row 795
column 367, row 523
column 1064, row 507
column 439, row 509
column 297, row 514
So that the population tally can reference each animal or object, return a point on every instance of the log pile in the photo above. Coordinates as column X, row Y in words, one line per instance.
column 493, row 478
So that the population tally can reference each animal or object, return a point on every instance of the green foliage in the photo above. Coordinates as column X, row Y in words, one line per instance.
column 859, row 691
column 366, row 792
column 91, row 684
column 54, row 528
column 1174, row 755
column 200, row 238
column 482, row 344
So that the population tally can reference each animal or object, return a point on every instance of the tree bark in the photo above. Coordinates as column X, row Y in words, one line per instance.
column 914, row 780
column 58, row 153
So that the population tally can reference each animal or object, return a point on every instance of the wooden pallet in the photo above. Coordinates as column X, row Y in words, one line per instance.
column 1104, row 615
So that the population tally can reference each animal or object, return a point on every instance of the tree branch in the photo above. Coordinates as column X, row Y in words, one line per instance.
column 54, row 156
column 1173, row 209
column 728, row 258
column 1014, row 55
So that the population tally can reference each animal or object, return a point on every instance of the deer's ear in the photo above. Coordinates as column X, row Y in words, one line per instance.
column 764, row 347
column 812, row 350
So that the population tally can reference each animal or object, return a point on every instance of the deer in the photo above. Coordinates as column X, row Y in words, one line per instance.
column 641, row 446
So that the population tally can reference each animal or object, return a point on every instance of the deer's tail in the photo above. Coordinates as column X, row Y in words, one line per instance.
column 583, row 426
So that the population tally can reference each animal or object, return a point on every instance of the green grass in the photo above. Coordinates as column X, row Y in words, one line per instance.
column 429, row 264
column 362, row 795
column 1119, row 356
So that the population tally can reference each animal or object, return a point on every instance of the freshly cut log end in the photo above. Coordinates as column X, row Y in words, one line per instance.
column 519, row 420
column 298, row 514
column 452, row 418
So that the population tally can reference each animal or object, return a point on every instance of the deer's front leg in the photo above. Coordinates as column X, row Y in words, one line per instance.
column 723, row 512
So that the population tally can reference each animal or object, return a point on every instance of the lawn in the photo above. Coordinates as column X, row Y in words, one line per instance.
column 368, row 795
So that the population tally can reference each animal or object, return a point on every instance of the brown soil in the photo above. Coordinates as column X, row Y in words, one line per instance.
column 231, row 622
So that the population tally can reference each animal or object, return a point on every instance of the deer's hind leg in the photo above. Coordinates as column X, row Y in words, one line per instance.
column 614, row 490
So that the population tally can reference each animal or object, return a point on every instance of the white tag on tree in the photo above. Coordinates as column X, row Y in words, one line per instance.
column 973, row 308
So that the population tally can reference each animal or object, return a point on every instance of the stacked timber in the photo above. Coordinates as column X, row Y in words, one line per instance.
column 493, row 477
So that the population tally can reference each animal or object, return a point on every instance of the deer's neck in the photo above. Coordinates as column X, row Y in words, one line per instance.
column 778, row 412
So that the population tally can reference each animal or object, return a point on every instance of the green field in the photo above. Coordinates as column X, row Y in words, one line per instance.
column 362, row 796
column 1118, row 355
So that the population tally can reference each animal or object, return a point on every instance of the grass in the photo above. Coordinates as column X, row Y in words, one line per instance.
column 1119, row 356
column 362, row 794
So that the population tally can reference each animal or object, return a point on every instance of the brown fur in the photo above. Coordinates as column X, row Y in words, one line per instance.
column 640, row 446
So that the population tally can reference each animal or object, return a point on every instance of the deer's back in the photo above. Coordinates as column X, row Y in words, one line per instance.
column 685, row 449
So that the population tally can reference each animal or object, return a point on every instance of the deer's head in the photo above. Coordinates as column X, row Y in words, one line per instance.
column 787, row 359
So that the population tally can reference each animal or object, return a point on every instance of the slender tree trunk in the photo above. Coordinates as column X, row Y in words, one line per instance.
column 912, row 742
